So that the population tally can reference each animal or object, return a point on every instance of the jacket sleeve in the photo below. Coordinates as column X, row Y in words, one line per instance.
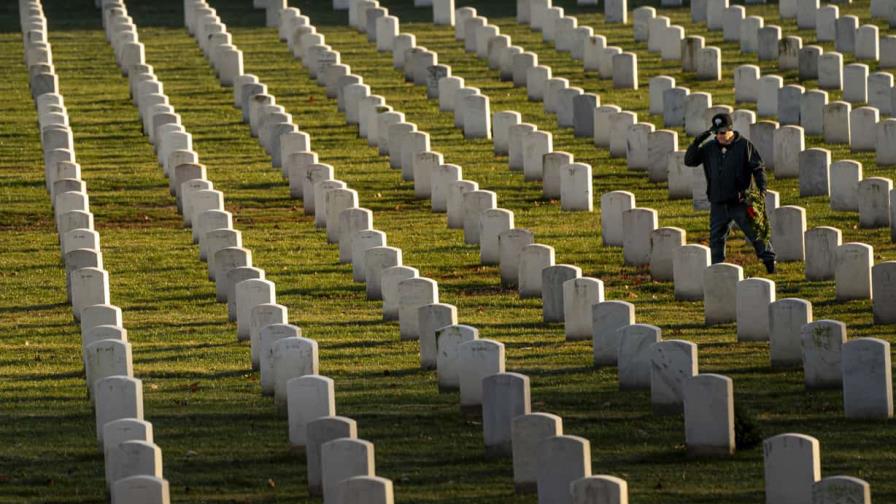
column 756, row 166
column 694, row 155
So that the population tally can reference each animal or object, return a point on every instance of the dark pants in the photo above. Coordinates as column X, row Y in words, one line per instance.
column 721, row 215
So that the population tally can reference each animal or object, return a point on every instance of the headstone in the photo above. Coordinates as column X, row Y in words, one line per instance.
column 560, row 461
column 837, row 489
column 690, row 262
column 830, row 70
column 695, row 121
column 657, row 87
column 822, row 341
column 807, row 63
column 886, row 141
column 812, row 111
column 583, row 114
column 749, row 34
column 390, row 279
column 788, row 227
column 601, row 123
column 837, row 122
column 501, row 124
column 638, row 224
column 117, row 397
column 637, row 146
column 640, row 19
column 474, row 204
column 535, row 145
column 625, row 69
column 141, row 489
column 732, row 18
column 320, row 431
column 526, row 432
column 789, row 100
column 753, row 298
column 613, row 206
column 455, row 202
column 376, row 260
column 616, row 11
column 792, row 466
column 675, row 106
column 341, row 459
column 855, row 83
column 492, row 223
column 89, row 286
column 448, row 341
column 511, row 243
column 664, row 242
column 579, row 295
column 431, row 318
column 709, row 64
column 821, row 252
column 477, row 360
column 867, row 38
column 553, row 296
column 601, row 488
column 662, row 146
column 867, row 379
column 619, row 124
column 709, row 415
column 767, row 98
column 768, row 38
column 365, row 489
column 533, row 260
column 634, row 355
column 873, row 198
column 852, row 273
column 292, row 357
column 607, row 318
column 672, row 362
column 477, row 117
column 575, row 187
column 815, row 171
column 880, row 85
column 720, row 285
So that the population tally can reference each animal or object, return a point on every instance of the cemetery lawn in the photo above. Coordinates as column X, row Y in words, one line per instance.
column 222, row 441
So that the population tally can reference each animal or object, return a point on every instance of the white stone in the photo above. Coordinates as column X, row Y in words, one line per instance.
column 117, row 397
column 431, row 318
column 625, row 69
column 579, row 295
column 320, row 431
column 413, row 293
column 637, row 146
column 501, row 124
column 883, row 292
column 661, row 147
column 720, row 283
column 709, row 64
column 690, row 262
column 477, row 360
column 535, row 145
column 874, row 202
column 560, row 461
column 553, row 296
column 837, row 489
column 526, row 432
column 533, row 260
column 613, row 206
column 607, row 318
column 672, row 362
column 852, row 273
column 634, row 355
column 709, row 415
column 855, row 83
column 695, row 121
column 619, row 125
column 754, row 295
column 664, row 242
column 292, row 357
column 815, row 172
column 788, row 227
column 262, row 316
column 505, row 396
column 341, row 459
column 474, row 204
column 638, row 224
column 448, row 341
column 786, row 319
column 822, row 342
column 821, row 252
column 390, row 279
column 830, row 70
column 792, row 464
column 455, row 202
column 576, row 187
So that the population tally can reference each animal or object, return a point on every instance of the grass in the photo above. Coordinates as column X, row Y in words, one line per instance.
column 222, row 442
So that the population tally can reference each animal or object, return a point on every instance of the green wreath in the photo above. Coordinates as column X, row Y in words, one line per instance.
column 756, row 213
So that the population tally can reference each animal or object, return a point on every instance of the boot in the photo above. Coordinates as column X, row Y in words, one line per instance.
column 769, row 266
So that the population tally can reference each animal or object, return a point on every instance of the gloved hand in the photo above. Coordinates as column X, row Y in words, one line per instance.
column 703, row 136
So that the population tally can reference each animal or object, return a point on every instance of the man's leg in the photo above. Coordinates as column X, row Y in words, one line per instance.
column 764, row 250
column 719, row 223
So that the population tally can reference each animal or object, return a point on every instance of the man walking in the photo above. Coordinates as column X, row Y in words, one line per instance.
column 730, row 163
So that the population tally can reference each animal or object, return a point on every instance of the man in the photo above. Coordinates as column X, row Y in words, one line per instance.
column 730, row 162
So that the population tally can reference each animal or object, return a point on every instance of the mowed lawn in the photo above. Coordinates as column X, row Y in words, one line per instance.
column 222, row 441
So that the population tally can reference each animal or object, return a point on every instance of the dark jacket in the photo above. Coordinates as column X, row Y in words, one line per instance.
column 728, row 174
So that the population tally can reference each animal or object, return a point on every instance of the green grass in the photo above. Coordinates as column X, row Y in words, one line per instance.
column 221, row 441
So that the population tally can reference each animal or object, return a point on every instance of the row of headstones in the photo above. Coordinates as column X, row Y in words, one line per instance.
column 337, row 462
column 443, row 334
column 132, row 461
column 793, row 104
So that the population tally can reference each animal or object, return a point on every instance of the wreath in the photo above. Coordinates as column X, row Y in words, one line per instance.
column 756, row 213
